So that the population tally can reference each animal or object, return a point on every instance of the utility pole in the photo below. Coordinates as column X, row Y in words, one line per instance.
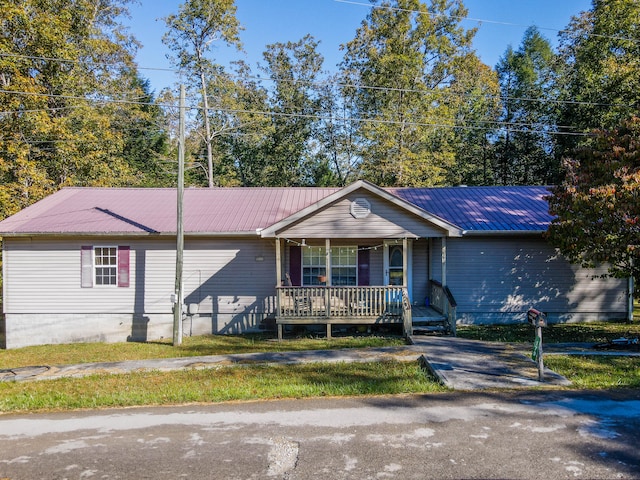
column 179, row 300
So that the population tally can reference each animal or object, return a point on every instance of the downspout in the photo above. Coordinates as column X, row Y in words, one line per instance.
column 630, row 300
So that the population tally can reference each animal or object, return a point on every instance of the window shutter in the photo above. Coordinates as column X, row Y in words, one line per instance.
column 363, row 267
column 86, row 267
column 295, row 265
column 123, row 266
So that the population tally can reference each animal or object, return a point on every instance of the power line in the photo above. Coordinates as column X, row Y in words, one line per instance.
column 479, row 20
column 86, row 62
column 436, row 92
column 364, row 86
column 315, row 116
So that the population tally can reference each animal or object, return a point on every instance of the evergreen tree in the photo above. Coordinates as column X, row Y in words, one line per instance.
column 526, row 145
column 601, row 53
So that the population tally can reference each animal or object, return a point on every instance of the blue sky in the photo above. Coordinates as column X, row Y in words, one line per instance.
column 334, row 22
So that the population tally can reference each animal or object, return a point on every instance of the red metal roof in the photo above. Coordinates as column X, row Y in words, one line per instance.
column 153, row 210
column 244, row 210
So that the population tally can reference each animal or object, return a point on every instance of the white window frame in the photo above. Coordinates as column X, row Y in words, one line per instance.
column 114, row 277
column 318, row 264
column 336, row 265
column 313, row 265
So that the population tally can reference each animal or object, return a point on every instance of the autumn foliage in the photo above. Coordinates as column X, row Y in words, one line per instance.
column 597, row 207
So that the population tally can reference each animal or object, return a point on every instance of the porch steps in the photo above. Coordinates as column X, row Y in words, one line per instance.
column 426, row 320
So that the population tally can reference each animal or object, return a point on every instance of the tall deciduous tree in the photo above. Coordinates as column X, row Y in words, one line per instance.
column 191, row 34
column 247, row 143
column 64, row 68
column 526, row 146
column 401, row 66
column 601, row 51
column 598, row 205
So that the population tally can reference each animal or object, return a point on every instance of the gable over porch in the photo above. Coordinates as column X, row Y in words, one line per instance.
column 358, row 256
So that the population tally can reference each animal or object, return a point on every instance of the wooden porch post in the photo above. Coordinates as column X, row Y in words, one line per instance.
column 278, row 262
column 278, row 282
column 327, row 299
column 444, row 261
column 405, row 263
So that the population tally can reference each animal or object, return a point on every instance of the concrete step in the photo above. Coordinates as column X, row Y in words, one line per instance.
column 427, row 329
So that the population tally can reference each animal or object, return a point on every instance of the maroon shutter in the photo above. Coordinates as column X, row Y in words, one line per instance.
column 363, row 267
column 123, row 266
column 295, row 265
column 86, row 267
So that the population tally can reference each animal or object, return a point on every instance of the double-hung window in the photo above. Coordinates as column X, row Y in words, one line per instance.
column 313, row 265
column 104, row 266
column 344, row 266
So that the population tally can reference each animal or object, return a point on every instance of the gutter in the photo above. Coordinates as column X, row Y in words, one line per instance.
column 502, row 233
column 251, row 234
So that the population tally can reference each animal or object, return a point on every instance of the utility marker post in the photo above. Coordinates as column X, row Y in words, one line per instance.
column 179, row 294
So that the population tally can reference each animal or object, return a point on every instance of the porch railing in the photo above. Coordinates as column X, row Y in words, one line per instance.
column 442, row 300
column 326, row 303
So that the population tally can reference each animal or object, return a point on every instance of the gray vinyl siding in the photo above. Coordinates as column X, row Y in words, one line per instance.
column 435, row 255
column 420, row 271
column 232, row 281
column 497, row 280
column 231, row 278
column 386, row 220
column 376, row 266
column 43, row 276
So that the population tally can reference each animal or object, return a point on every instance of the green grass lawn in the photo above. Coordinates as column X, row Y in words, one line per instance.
column 191, row 346
column 592, row 332
column 217, row 385
column 593, row 372
column 282, row 381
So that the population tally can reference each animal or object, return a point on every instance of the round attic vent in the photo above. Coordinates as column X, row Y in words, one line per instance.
column 360, row 208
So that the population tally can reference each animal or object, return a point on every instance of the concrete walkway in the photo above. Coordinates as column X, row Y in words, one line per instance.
column 458, row 363
column 473, row 365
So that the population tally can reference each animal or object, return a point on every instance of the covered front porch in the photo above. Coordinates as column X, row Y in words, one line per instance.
column 396, row 292
column 362, row 256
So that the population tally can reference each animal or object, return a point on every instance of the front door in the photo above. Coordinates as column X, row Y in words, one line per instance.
column 395, row 270
column 394, row 267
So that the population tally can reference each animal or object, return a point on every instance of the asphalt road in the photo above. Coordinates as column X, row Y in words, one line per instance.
column 528, row 435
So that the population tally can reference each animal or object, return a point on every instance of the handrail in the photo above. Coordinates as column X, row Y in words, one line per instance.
column 443, row 301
